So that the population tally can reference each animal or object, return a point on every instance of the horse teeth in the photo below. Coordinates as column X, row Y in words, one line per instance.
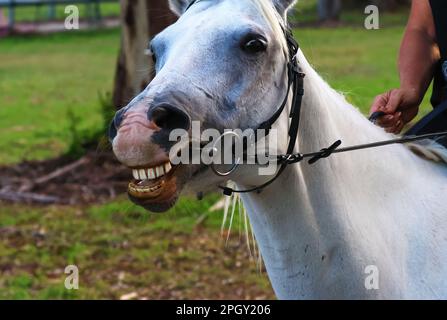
column 159, row 171
column 142, row 174
column 151, row 174
column 168, row 167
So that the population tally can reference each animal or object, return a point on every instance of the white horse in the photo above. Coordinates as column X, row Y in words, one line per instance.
column 369, row 224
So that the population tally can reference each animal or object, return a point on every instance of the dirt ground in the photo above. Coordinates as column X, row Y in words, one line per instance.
column 95, row 178
column 121, row 256
column 78, row 216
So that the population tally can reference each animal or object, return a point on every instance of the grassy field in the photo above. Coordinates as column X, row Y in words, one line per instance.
column 50, row 85
column 49, row 90
column 357, row 62
column 121, row 249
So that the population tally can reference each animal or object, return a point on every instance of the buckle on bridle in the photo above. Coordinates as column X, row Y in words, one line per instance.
column 214, row 149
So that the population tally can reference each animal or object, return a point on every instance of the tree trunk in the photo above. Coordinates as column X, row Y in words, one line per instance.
column 329, row 10
column 140, row 21
column 160, row 16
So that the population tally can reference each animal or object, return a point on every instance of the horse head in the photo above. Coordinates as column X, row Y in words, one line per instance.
column 222, row 64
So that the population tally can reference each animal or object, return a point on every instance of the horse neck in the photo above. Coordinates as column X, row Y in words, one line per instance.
column 309, row 218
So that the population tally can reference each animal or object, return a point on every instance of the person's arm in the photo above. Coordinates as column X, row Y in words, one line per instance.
column 418, row 56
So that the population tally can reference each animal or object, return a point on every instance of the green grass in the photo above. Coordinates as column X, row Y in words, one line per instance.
column 120, row 248
column 49, row 84
column 358, row 62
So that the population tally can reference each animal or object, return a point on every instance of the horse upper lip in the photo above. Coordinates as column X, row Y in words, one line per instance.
column 139, row 119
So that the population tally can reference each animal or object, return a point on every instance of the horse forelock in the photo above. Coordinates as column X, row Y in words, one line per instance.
column 277, row 23
column 274, row 19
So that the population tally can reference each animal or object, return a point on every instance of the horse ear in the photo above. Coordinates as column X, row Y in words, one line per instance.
column 284, row 5
column 179, row 6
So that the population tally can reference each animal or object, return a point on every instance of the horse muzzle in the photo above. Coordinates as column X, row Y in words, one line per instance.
column 140, row 141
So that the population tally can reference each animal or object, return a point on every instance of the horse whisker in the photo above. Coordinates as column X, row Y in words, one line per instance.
column 233, row 209
column 247, row 234
column 226, row 208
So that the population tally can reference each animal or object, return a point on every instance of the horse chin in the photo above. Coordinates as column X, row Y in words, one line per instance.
column 155, row 206
column 160, row 195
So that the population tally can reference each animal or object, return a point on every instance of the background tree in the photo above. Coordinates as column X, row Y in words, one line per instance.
column 140, row 21
column 329, row 10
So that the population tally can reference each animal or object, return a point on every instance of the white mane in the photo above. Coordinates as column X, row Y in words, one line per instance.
column 428, row 149
column 276, row 22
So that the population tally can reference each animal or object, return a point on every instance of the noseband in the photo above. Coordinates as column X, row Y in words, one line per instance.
column 296, row 86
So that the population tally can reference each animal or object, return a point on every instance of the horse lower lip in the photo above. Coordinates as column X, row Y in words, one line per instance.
column 157, row 190
column 146, row 189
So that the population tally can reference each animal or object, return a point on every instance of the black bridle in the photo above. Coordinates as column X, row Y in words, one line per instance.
column 296, row 86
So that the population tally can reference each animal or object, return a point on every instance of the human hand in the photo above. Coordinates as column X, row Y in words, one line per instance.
column 400, row 105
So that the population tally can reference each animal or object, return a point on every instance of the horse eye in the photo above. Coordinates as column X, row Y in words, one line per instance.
column 150, row 52
column 154, row 57
column 253, row 46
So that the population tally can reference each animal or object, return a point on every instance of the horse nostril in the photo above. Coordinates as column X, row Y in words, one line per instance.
column 169, row 118
column 115, row 124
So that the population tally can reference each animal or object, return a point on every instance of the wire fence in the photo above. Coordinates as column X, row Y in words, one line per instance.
column 92, row 8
